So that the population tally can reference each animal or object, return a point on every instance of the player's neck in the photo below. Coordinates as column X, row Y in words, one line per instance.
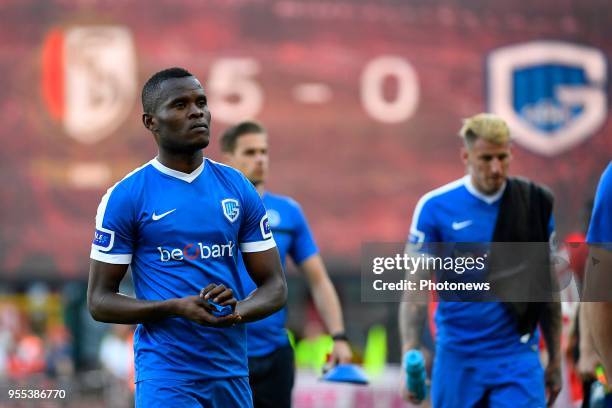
column 479, row 190
column 185, row 163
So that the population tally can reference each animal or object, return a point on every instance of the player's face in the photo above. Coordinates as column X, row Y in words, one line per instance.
column 181, row 123
column 488, row 164
column 251, row 157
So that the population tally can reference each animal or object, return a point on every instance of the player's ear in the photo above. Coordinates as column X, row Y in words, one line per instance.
column 149, row 122
column 464, row 155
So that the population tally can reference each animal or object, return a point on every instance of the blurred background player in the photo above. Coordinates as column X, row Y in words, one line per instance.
column 581, row 356
column 480, row 359
column 271, row 359
column 598, row 281
column 178, row 221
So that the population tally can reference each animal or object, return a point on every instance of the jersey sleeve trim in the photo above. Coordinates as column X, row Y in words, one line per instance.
column 307, row 257
column 257, row 246
column 119, row 259
column 416, row 235
column 100, row 234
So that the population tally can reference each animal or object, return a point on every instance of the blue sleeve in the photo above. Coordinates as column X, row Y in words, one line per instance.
column 114, row 236
column 424, row 228
column 551, row 226
column 255, row 234
column 303, row 245
column 600, row 228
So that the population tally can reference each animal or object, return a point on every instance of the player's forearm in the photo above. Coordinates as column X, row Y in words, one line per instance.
column 327, row 304
column 268, row 298
column 412, row 317
column 551, row 330
column 586, row 345
column 118, row 308
column 600, row 313
column 598, row 284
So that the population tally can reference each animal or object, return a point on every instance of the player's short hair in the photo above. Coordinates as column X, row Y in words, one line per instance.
column 230, row 136
column 485, row 126
column 151, row 89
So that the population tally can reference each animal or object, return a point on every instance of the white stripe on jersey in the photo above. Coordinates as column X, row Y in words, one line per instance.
column 188, row 177
column 257, row 246
column 105, row 197
column 222, row 164
column 95, row 249
column 433, row 193
column 124, row 259
column 489, row 199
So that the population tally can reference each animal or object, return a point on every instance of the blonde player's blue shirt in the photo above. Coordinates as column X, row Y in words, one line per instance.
column 458, row 212
column 293, row 238
column 181, row 232
column 600, row 228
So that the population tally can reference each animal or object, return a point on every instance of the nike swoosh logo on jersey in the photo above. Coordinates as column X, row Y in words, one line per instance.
column 160, row 216
column 461, row 225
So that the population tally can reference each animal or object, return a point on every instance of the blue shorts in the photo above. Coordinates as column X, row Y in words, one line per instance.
column 221, row 393
column 512, row 382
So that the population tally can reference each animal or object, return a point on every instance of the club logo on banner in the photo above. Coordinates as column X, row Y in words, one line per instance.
column 552, row 94
column 89, row 79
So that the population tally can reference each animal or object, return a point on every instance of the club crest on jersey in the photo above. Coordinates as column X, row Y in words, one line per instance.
column 552, row 94
column 231, row 209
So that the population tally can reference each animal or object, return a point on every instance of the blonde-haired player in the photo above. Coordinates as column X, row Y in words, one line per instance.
column 483, row 356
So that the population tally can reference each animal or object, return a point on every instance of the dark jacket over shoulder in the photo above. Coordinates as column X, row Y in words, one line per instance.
column 520, row 270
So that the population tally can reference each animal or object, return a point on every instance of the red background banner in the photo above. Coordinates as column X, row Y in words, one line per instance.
column 362, row 101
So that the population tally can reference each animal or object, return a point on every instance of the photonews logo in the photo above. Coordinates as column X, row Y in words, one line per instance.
column 196, row 251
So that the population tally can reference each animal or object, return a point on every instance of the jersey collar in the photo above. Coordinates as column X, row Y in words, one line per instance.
column 188, row 177
column 489, row 199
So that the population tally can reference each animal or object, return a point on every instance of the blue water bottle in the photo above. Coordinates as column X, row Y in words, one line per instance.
column 414, row 364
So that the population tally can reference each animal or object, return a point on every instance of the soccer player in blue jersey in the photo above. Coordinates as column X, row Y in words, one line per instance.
column 599, row 272
column 179, row 221
column 481, row 359
column 271, row 361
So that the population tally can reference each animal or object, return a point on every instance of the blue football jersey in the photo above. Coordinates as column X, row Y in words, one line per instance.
column 458, row 212
column 600, row 228
column 293, row 238
column 181, row 232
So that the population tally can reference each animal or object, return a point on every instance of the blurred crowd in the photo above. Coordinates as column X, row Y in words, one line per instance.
column 49, row 341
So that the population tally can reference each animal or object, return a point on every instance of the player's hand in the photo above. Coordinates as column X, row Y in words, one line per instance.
column 341, row 353
column 219, row 294
column 197, row 309
column 552, row 379
column 587, row 364
column 405, row 392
